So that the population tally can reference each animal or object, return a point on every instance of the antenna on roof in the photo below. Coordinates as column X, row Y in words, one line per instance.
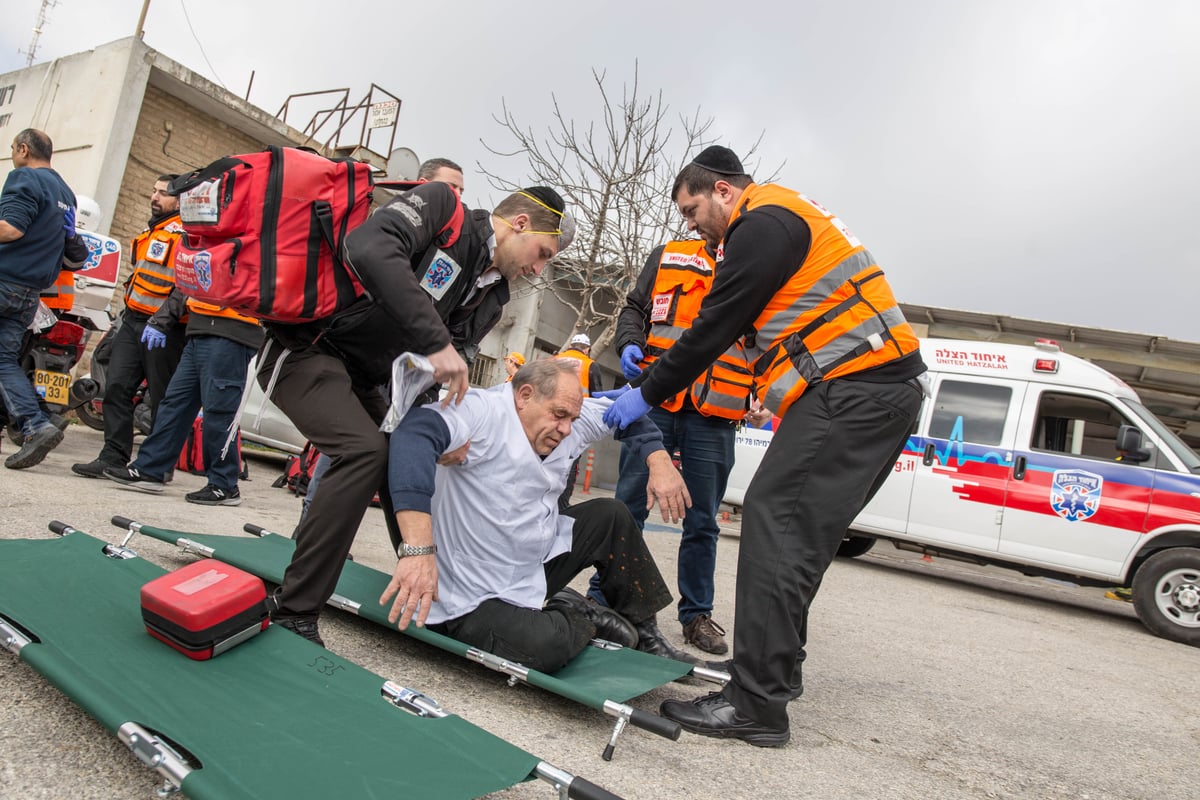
column 43, row 13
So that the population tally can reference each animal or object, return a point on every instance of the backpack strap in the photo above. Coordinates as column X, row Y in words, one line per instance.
column 450, row 232
column 193, row 179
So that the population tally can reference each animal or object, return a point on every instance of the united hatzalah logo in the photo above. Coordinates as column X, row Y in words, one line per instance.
column 1075, row 494
column 202, row 264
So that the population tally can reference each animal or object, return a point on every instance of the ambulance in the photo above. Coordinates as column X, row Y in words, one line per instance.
column 1029, row 458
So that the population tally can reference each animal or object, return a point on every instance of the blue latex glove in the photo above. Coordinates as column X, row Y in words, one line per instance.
column 69, row 222
column 152, row 337
column 630, row 357
column 627, row 409
column 612, row 394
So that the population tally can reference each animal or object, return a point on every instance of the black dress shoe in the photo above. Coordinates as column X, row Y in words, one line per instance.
column 713, row 715
column 651, row 640
column 610, row 625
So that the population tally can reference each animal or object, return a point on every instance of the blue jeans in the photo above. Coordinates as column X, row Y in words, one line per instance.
column 705, row 447
column 211, row 374
column 18, row 305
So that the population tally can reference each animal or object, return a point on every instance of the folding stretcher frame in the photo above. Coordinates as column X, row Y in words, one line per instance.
column 276, row 717
column 603, row 677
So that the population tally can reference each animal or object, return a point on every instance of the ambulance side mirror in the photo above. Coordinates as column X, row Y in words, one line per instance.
column 1129, row 445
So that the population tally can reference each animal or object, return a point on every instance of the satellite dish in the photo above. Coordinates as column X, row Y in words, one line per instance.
column 403, row 165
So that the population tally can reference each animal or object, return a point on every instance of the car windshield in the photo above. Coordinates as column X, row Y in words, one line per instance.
column 1188, row 456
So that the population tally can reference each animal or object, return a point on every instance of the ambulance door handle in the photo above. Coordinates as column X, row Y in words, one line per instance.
column 1019, row 469
column 929, row 451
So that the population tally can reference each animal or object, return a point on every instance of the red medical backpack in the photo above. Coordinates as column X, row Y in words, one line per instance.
column 263, row 233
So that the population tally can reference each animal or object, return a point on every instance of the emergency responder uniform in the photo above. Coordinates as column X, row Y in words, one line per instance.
column 153, row 278
column 699, row 421
column 425, row 293
column 839, row 365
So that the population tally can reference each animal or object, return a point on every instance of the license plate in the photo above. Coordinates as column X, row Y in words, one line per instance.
column 53, row 387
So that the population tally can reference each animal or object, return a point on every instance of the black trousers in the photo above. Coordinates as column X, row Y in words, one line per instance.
column 830, row 454
column 606, row 538
column 129, row 365
column 341, row 418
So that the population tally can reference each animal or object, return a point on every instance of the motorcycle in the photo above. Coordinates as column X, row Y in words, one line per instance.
column 52, row 347
column 88, row 390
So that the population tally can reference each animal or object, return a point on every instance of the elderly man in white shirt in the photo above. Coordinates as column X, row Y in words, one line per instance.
column 486, row 556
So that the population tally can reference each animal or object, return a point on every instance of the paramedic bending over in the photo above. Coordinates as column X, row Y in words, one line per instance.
column 840, row 369
column 425, row 295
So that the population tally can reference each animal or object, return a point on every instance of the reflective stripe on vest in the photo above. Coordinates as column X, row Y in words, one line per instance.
column 685, row 274
column 835, row 316
column 153, row 266
column 61, row 294
column 210, row 310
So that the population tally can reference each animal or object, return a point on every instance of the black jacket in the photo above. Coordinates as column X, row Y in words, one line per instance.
column 421, row 293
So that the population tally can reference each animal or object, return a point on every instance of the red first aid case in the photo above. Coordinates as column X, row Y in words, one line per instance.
column 205, row 608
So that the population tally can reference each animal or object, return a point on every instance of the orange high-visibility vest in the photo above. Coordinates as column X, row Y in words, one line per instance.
column 210, row 310
column 835, row 316
column 61, row 296
column 153, row 257
column 685, row 274
column 585, row 368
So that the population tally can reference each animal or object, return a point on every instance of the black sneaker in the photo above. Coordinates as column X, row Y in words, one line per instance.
column 92, row 469
column 301, row 626
column 36, row 448
column 212, row 496
column 130, row 478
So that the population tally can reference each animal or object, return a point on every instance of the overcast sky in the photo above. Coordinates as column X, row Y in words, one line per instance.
column 1037, row 158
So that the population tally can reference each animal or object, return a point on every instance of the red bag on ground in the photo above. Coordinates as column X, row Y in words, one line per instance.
column 191, row 457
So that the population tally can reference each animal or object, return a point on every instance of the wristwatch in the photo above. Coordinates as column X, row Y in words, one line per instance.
column 413, row 550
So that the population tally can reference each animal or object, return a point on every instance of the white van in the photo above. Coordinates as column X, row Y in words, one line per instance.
column 1030, row 458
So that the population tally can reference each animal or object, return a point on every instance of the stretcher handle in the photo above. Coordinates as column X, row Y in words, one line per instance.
column 123, row 522
column 583, row 789
column 666, row 728
column 257, row 530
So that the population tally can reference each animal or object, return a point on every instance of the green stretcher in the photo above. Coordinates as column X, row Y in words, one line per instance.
column 602, row 677
column 275, row 717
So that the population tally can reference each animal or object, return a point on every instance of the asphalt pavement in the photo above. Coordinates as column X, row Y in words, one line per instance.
column 925, row 679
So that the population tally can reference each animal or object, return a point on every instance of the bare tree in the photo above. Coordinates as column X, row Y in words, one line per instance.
column 616, row 175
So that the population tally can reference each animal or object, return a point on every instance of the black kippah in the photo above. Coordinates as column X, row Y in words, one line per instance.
column 551, row 198
column 720, row 160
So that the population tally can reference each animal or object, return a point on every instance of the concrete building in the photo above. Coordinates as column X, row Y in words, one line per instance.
column 122, row 114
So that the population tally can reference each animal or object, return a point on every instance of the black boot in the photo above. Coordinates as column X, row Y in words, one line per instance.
column 651, row 640
column 610, row 625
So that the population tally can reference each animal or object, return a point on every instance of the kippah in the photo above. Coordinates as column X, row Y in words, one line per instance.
column 551, row 198
column 720, row 160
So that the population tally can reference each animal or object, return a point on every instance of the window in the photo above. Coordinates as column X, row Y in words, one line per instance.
column 970, row 412
column 1082, row 426
column 482, row 371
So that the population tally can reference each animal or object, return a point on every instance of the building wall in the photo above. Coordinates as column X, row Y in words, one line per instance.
column 86, row 103
column 170, row 137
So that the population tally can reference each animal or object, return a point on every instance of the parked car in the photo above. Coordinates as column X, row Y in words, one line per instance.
column 1033, row 459
column 263, row 423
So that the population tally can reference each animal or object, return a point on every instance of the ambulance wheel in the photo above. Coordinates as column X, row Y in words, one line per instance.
column 1166, row 594
column 855, row 546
